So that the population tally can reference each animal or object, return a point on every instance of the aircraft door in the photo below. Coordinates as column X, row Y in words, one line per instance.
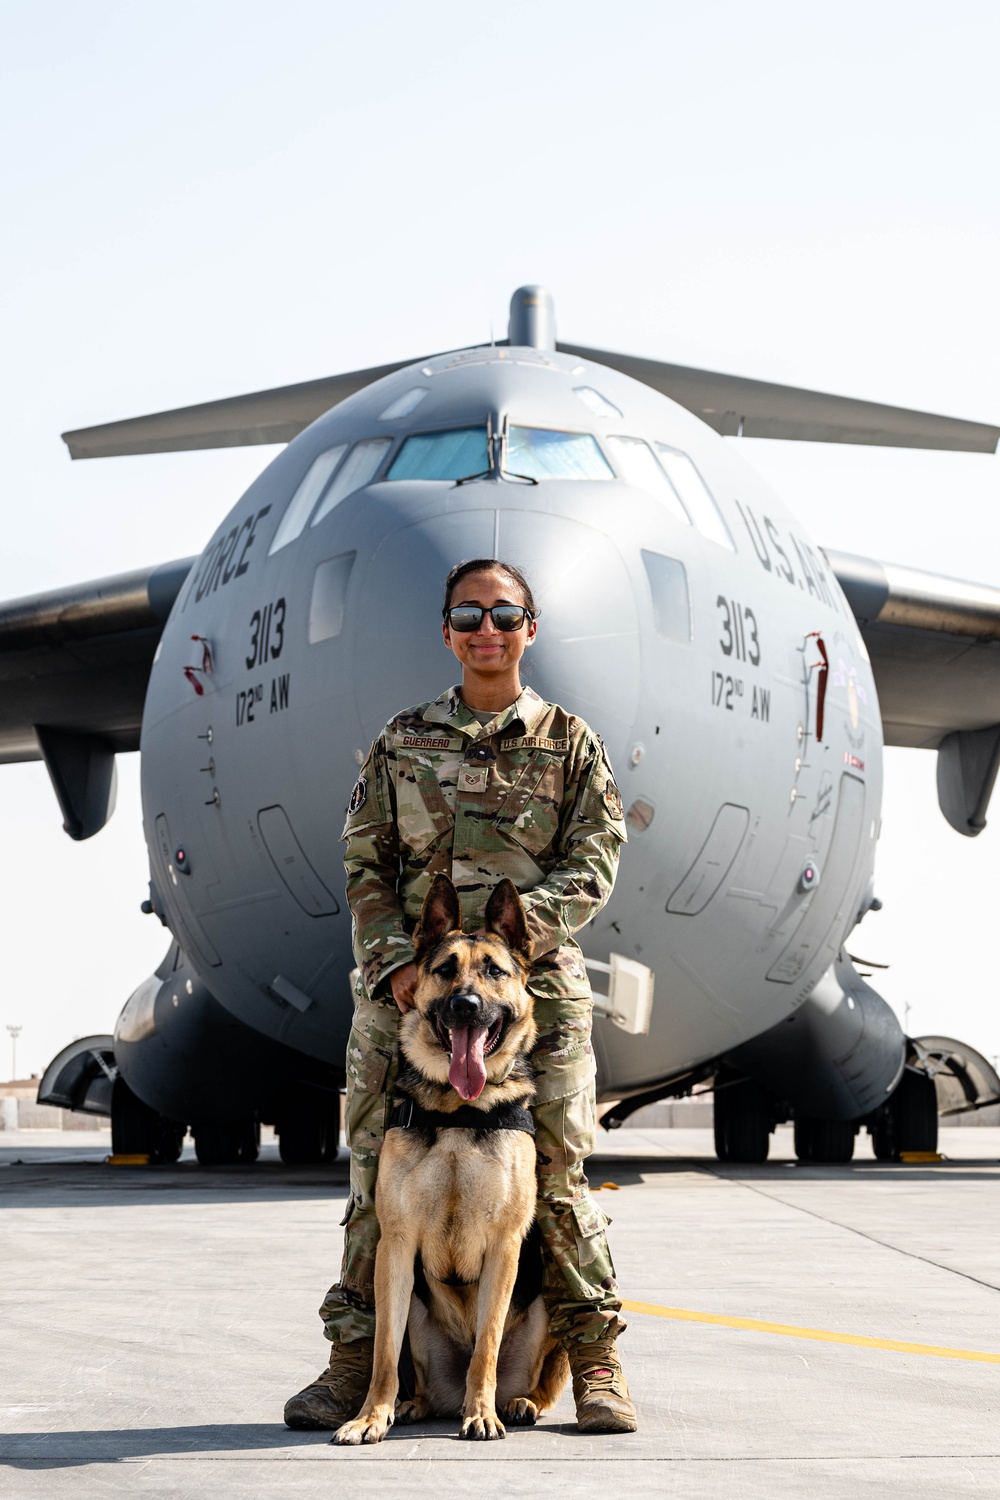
column 831, row 905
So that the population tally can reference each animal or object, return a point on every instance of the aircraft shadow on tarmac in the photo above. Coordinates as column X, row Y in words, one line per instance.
column 70, row 1184
column 27, row 1450
column 75, row 1184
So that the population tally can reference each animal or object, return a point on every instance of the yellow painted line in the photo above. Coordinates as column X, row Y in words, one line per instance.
column 821, row 1335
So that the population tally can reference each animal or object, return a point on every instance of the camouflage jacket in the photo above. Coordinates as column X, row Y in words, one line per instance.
column 529, row 795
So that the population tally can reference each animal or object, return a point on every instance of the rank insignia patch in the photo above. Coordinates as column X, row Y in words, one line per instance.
column 360, row 792
column 613, row 800
column 473, row 778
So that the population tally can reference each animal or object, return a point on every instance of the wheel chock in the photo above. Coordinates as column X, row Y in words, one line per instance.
column 123, row 1159
column 919, row 1156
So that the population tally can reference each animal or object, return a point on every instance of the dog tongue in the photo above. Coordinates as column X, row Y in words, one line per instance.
column 467, row 1074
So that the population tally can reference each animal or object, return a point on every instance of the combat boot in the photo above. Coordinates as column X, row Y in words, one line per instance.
column 338, row 1394
column 600, row 1390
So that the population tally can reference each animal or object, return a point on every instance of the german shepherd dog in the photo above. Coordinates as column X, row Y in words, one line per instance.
column 456, row 1189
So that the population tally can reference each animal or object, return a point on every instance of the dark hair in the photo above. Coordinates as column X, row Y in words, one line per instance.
column 490, row 565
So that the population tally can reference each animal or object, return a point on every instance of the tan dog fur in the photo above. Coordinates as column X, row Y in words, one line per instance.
column 463, row 1204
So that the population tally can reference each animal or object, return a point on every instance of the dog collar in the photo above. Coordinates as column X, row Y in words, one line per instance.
column 407, row 1114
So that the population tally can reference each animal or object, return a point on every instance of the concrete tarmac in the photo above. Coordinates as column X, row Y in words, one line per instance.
column 155, row 1320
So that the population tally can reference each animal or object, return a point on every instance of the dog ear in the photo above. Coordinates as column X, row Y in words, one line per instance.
column 441, row 914
column 505, row 916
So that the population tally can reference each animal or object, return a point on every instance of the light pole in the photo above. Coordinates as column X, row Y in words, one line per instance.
column 14, row 1032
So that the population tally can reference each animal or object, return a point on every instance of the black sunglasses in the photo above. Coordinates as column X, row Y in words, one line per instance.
column 465, row 618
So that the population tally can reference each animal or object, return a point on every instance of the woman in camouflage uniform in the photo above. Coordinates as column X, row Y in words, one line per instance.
column 485, row 782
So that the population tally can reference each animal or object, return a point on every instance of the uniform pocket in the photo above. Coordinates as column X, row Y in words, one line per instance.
column 422, row 811
column 558, row 1075
column 562, row 1061
column 368, row 1070
column 530, row 813
column 371, row 1045
column 588, row 1218
column 367, row 1110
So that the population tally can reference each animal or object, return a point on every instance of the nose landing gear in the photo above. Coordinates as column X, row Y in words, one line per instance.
column 908, row 1121
column 830, row 1141
column 226, row 1143
column 138, row 1130
column 743, row 1121
column 309, row 1131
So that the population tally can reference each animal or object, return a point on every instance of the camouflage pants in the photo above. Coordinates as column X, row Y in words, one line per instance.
column 579, row 1286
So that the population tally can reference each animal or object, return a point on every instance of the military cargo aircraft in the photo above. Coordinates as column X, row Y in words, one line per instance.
column 743, row 679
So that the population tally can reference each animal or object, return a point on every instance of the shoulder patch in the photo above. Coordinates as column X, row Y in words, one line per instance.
column 613, row 800
column 535, row 742
column 358, row 796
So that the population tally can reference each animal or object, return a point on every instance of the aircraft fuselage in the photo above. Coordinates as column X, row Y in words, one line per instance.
column 685, row 615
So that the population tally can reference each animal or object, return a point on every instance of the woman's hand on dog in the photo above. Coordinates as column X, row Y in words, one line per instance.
column 404, row 984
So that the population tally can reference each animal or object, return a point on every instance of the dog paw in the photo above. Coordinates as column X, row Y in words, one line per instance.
column 483, row 1427
column 521, row 1412
column 416, row 1410
column 369, row 1427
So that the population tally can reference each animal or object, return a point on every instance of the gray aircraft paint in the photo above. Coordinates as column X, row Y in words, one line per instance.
column 250, row 778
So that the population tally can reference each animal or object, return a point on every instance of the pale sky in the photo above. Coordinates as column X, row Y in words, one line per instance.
column 206, row 198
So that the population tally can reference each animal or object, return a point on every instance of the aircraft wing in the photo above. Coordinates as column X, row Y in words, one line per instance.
column 274, row 416
column 934, row 644
column 74, row 665
column 737, row 406
column 733, row 405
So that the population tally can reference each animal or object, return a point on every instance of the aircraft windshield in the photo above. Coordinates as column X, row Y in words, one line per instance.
column 637, row 466
column 442, row 455
column 358, row 468
column 538, row 453
column 305, row 497
column 697, row 497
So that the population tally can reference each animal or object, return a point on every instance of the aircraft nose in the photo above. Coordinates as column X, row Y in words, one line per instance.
column 587, row 652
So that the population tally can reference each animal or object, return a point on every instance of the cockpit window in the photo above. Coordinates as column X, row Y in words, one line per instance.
column 358, row 468
column 697, row 497
column 404, row 404
column 305, row 497
column 637, row 466
column 442, row 455
column 539, row 453
column 595, row 402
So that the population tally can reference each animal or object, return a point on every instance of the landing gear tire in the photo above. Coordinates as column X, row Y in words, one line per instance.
column 138, row 1130
column 909, row 1121
column 742, row 1122
column 883, row 1144
column 828, row 1141
column 171, row 1142
column 226, row 1143
column 310, row 1134
column 249, row 1140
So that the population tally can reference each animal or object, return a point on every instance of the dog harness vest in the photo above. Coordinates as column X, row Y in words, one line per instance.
column 407, row 1114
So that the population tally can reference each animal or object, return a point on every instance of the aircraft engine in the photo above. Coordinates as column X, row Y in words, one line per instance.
column 839, row 1056
column 182, row 1058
